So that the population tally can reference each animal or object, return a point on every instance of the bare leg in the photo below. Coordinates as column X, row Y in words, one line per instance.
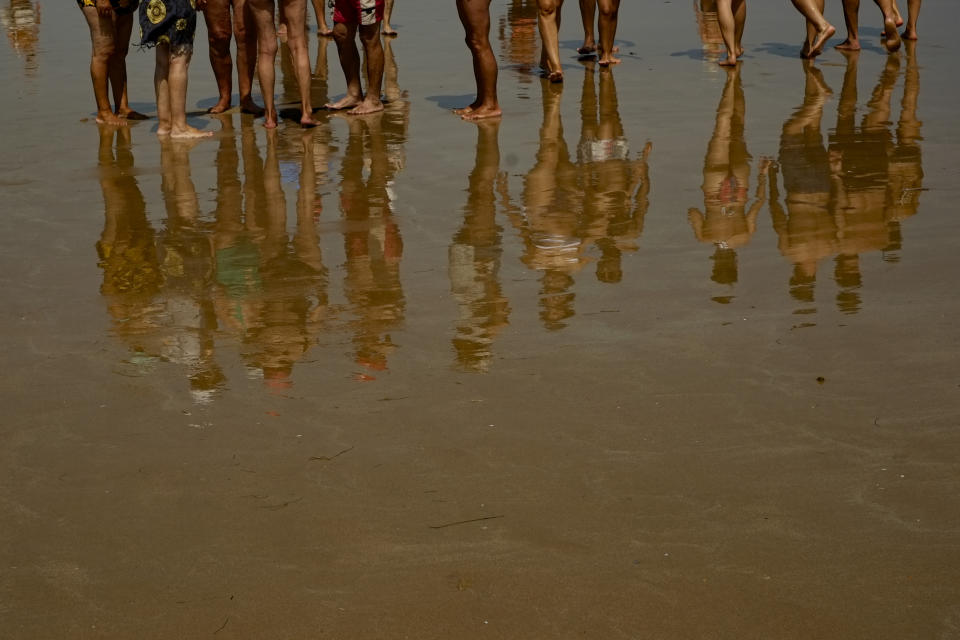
column 161, row 86
column 387, row 12
column 296, row 14
column 373, row 57
column 812, row 10
column 851, row 17
column 609, row 10
column 913, row 15
column 262, row 12
column 320, row 10
column 345, row 35
column 548, row 20
column 102, row 37
column 740, row 19
column 896, row 13
column 219, row 30
column 892, row 42
column 728, row 29
column 245, row 35
column 475, row 16
column 177, row 88
column 588, row 12
column 123, row 25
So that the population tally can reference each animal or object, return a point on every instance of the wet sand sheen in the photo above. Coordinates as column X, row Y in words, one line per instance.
column 666, row 352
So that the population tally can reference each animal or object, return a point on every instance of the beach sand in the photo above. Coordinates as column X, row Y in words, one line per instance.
column 579, row 373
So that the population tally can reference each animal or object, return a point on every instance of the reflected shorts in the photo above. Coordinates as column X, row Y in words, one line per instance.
column 358, row 11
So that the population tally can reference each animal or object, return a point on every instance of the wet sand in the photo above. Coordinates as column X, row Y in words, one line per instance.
column 406, row 376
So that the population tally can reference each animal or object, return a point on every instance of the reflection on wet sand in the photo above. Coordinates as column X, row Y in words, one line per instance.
column 726, row 221
column 372, row 241
column 21, row 22
column 517, row 32
column 475, row 258
column 242, row 278
column 708, row 26
column 573, row 210
column 848, row 199
column 157, row 285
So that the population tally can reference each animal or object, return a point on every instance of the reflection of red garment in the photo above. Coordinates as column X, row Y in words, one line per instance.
column 392, row 243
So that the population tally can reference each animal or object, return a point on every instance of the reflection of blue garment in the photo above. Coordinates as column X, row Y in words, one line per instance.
column 290, row 172
column 238, row 268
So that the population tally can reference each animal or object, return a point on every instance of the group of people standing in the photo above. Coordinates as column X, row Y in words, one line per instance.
column 169, row 26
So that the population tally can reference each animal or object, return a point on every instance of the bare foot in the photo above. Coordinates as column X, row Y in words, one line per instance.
column 220, row 107
column 282, row 32
column 163, row 131
column 483, row 111
column 729, row 61
column 110, row 118
column 249, row 106
column 849, row 45
column 130, row 114
column 896, row 15
column 555, row 77
column 607, row 59
column 910, row 34
column 189, row 132
column 269, row 119
column 588, row 49
column 388, row 30
column 892, row 42
column 463, row 111
column 816, row 48
column 369, row 105
column 324, row 30
column 307, row 120
column 346, row 102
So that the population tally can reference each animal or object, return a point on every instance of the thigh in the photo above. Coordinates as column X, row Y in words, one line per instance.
column 295, row 12
column 262, row 12
column 217, row 16
column 101, row 29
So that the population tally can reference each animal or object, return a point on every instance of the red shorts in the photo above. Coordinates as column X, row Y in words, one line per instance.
column 358, row 11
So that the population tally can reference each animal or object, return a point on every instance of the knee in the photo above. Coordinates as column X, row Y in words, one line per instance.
column 547, row 8
column 267, row 47
column 607, row 10
column 104, row 51
column 476, row 42
column 219, row 40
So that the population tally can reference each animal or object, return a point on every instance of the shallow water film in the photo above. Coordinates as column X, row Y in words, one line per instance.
column 667, row 351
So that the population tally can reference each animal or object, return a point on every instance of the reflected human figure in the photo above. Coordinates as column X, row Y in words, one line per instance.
column 616, row 188
column 475, row 18
column 708, row 27
column 807, row 230
column 372, row 244
column 726, row 221
column 548, row 22
column 226, row 18
column 294, row 15
column 21, row 21
column 474, row 259
column 607, row 27
column 873, row 183
column 188, row 320
column 905, row 182
column 517, row 32
column 110, row 23
column 127, row 249
column 851, row 13
column 293, row 296
column 548, row 225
